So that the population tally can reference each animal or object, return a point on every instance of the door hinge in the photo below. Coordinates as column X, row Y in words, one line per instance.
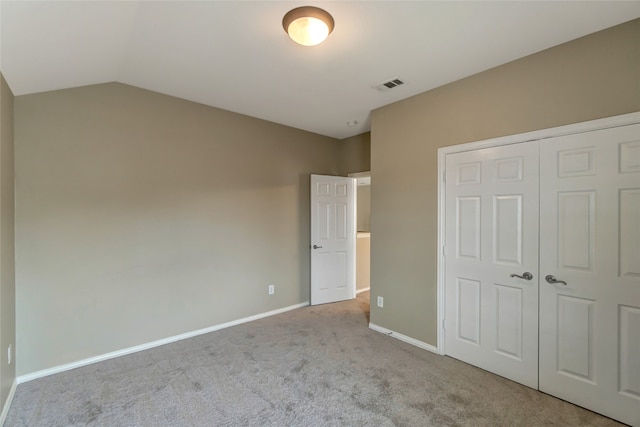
column 444, row 324
column 444, row 176
column 444, row 251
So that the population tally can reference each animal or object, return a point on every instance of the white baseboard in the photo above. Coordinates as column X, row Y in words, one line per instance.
column 7, row 403
column 66, row 367
column 396, row 335
column 359, row 291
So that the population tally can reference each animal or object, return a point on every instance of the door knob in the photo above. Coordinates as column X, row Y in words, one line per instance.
column 526, row 276
column 317, row 247
column 550, row 279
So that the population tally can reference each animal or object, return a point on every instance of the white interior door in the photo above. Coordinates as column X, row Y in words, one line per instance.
column 333, row 237
column 590, row 240
column 491, row 235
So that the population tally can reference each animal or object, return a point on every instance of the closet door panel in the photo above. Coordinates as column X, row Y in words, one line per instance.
column 590, row 248
column 492, row 233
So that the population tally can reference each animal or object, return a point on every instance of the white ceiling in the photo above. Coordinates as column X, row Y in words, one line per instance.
column 236, row 56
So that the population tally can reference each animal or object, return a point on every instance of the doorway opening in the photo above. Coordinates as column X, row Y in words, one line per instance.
column 363, row 231
column 363, row 240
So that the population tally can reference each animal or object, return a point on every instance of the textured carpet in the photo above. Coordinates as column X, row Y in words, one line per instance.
column 316, row 366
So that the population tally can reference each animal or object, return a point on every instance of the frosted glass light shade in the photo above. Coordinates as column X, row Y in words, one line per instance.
column 308, row 25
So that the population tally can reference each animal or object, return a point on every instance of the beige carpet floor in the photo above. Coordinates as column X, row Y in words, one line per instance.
column 315, row 366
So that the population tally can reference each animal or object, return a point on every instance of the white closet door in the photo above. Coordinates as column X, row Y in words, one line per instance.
column 590, row 239
column 491, row 234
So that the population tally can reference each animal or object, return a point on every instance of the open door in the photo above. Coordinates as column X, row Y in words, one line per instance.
column 333, row 244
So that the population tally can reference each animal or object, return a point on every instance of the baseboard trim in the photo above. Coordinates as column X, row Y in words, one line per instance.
column 359, row 291
column 7, row 403
column 73, row 365
column 399, row 336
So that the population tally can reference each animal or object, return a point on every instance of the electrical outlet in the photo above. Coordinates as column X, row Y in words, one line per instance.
column 9, row 355
column 380, row 302
column 272, row 289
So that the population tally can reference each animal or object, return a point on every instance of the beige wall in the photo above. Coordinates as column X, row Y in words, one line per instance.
column 140, row 216
column 7, row 271
column 589, row 78
column 364, row 208
column 355, row 154
column 363, row 261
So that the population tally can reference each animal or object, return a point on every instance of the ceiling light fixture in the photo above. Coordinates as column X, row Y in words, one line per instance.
column 308, row 25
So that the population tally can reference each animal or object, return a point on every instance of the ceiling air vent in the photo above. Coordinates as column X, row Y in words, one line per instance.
column 385, row 86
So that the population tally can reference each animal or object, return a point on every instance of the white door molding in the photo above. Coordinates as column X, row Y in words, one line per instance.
column 609, row 122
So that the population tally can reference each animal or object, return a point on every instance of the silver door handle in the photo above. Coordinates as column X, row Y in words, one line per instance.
column 525, row 276
column 550, row 279
column 317, row 247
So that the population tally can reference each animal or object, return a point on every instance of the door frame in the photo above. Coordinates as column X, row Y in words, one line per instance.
column 576, row 128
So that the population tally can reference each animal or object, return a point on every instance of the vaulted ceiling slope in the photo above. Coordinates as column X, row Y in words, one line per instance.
column 235, row 55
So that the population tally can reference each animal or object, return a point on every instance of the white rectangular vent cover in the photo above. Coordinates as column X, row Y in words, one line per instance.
column 385, row 86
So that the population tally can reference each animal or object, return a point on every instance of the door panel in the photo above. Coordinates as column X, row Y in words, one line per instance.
column 509, row 311
column 468, row 310
column 589, row 234
column 629, row 351
column 629, row 233
column 468, row 227
column 333, row 251
column 575, row 337
column 576, row 218
column 492, row 231
column 507, row 229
